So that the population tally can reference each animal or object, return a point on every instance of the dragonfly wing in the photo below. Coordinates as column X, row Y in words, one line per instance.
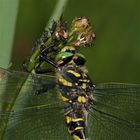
column 37, row 123
column 18, row 86
column 25, row 115
column 115, row 112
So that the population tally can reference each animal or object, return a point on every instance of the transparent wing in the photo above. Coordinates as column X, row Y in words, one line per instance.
column 15, row 84
column 115, row 112
column 46, row 122
column 25, row 115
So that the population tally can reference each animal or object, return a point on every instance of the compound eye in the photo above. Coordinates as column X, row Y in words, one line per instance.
column 63, row 58
column 79, row 59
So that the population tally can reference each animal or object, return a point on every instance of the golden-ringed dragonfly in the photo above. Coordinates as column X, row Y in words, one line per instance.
column 65, row 104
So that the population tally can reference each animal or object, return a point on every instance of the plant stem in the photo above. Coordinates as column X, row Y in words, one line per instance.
column 8, row 16
column 58, row 11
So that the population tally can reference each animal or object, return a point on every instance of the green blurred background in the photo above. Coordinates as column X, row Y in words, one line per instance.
column 116, row 53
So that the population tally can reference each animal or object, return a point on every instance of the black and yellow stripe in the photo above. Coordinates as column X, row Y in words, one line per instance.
column 73, row 85
column 74, row 89
column 76, row 125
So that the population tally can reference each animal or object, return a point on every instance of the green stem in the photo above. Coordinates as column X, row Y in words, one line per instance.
column 58, row 11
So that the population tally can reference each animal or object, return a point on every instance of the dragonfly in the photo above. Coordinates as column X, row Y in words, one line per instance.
column 39, row 106
column 65, row 104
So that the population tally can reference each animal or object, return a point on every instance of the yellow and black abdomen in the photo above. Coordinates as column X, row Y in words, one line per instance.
column 75, row 121
column 70, row 81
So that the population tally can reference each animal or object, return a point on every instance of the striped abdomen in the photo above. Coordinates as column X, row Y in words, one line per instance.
column 76, row 124
column 73, row 88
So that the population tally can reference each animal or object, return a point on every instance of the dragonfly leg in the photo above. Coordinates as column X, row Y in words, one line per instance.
column 44, row 57
column 47, row 59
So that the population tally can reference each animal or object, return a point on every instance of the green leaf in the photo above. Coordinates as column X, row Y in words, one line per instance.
column 8, row 16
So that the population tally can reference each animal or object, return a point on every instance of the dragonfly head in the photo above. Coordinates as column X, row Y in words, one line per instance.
column 79, row 59
column 64, row 58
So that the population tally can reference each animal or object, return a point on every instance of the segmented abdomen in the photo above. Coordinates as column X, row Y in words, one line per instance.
column 74, row 95
column 75, row 121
